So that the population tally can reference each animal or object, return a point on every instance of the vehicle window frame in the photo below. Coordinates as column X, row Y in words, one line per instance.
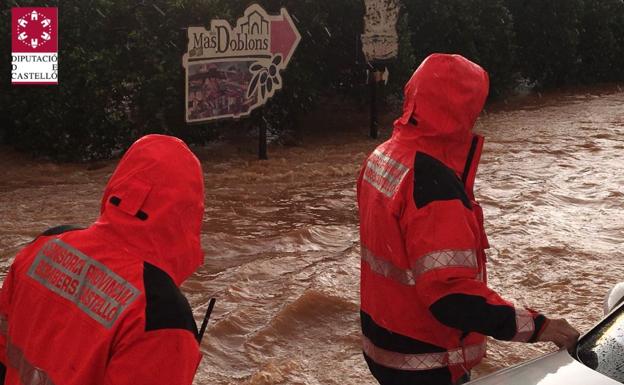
column 617, row 312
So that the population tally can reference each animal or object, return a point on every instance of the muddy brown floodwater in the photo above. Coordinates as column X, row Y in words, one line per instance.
column 281, row 236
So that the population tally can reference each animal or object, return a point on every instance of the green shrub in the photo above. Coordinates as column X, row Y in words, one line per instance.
column 481, row 30
column 324, row 63
column 598, row 45
column 121, row 74
column 403, row 68
column 619, row 37
column 601, row 47
column 547, row 35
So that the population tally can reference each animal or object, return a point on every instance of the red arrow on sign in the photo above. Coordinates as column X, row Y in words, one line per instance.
column 284, row 36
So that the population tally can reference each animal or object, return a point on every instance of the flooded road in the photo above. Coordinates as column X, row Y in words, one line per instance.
column 281, row 236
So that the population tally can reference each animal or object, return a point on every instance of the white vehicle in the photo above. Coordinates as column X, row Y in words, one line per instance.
column 598, row 358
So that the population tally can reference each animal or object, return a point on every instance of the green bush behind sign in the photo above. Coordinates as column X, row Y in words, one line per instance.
column 120, row 73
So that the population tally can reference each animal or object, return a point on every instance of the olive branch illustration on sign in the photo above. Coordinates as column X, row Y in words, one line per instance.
column 266, row 79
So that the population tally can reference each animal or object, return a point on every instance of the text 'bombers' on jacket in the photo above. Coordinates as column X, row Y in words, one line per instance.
column 102, row 305
column 425, row 303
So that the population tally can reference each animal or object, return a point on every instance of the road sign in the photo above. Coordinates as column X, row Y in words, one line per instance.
column 380, row 41
column 231, row 71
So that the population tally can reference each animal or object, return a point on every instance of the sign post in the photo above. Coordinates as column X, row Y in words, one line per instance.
column 374, row 84
column 262, row 138
column 380, row 43
column 233, row 70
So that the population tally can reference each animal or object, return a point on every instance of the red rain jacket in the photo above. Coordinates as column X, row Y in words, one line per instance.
column 102, row 305
column 425, row 303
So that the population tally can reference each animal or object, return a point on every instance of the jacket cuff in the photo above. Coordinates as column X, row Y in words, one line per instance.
column 529, row 325
column 541, row 322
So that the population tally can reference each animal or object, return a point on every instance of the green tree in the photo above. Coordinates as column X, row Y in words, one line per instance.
column 121, row 75
column 406, row 63
column 547, row 34
column 598, row 45
column 618, row 29
column 481, row 30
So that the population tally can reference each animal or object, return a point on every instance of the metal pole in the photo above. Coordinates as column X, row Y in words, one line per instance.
column 374, row 123
column 262, row 145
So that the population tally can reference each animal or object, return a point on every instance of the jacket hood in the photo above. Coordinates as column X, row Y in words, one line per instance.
column 154, row 204
column 443, row 100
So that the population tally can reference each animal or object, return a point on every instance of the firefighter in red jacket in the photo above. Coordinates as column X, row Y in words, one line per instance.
column 425, row 304
column 102, row 305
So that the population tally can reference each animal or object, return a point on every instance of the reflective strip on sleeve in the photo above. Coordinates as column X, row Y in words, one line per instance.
column 443, row 259
column 525, row 325
column 384, row 173
column 387, row 268
column 29, row 374
column 423, row 361
column 432, row 261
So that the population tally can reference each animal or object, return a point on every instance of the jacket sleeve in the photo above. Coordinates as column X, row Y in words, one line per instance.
column 360, row 179
column 9, row 286
column 5, row 301
column 157, row 340
column 158, row 357
column 441, row 244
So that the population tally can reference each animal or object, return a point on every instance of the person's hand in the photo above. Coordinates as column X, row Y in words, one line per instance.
column 561, row 333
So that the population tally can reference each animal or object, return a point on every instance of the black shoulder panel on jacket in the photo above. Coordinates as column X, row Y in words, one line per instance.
column 166, row 307
column 58, row 230
column 433, row 181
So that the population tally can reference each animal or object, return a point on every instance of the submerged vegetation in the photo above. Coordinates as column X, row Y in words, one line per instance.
column 120, row 72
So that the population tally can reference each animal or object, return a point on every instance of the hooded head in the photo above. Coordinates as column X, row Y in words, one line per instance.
column 443, row 100
column 154, row 203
